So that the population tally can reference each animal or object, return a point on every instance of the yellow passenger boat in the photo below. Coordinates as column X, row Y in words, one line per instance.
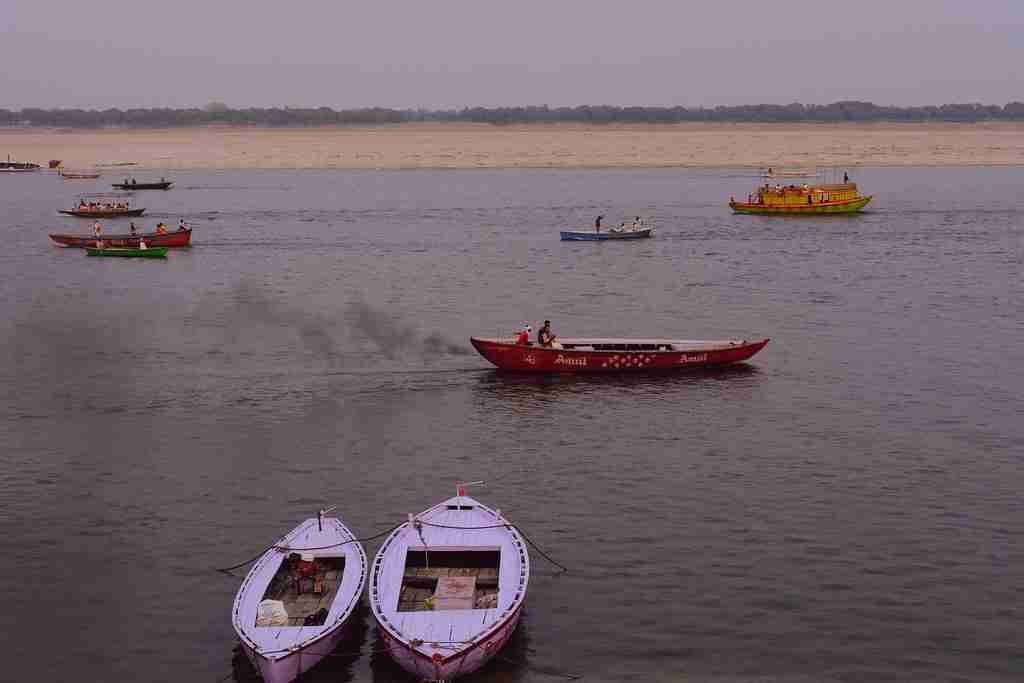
column 803, row 199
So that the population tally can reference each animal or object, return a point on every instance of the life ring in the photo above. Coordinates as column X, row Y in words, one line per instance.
column 437, row 658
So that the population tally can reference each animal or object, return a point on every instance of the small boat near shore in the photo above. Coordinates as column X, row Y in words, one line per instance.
column 178, row 238
column 613, row 234
column 293, row 606
column 615, row 355
column 448, row 586
column 132, row 185
column 78, row 175
column 17, row 166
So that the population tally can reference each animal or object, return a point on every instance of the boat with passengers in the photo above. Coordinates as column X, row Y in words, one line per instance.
column 109, row 205
column 182, row 237
column 17, row 166
column 132, row 185
column 802, row 199
column 614, row 355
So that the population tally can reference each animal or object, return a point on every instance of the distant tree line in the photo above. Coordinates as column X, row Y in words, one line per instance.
column 217, row 113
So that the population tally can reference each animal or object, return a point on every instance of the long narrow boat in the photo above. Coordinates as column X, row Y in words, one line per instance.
column 178, row 238
column 162, row 185
column 592, row 236
column 84, row 212
column 293, row 606
column 129, row 252
column 448, row 587
column 78, row 175
column 614, row 355
column 17, row 166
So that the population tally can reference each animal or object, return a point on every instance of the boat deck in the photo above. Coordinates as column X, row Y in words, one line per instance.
column 454, row 580
column 300, row 594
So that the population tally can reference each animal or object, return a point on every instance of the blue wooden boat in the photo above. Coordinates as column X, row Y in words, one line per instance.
column 592, row 236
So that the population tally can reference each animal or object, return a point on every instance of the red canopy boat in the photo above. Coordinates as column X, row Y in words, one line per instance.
column 614, row 355
column 177, row 238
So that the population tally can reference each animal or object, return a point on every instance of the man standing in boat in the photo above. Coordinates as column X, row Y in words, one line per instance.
column 597, row 223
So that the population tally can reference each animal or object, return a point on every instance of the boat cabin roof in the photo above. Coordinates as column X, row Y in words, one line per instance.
column 652, row 345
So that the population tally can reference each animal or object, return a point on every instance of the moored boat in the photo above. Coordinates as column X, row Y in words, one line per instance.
column 292, row 608
column 803, row 200
column 132, row 185
column 613, row 234
column 614, row 355
column 448, row 586
column 17, row 166
column 178, row 238
column 128, row 252
column 78, row 175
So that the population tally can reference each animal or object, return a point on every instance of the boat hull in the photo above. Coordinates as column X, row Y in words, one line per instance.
column 128, row 252
column 848, row 206
column 581, row 236
column 143, row 186
column 294, row 664
column 507, row 355
column 179, row 238
column 132, row 213
column 459, row 664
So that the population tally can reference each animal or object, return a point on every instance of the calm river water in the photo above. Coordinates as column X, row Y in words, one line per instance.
column 846, row 507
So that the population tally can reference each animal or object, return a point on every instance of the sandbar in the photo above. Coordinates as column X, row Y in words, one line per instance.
column 559, row 145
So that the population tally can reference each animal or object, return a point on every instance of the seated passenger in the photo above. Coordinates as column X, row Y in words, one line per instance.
column 161, row 229
column 523, row 338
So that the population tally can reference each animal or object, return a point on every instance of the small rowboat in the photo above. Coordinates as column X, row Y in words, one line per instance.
column 614, row 355
column 591, row 236
column 129, row 252
column 293, row 606
column 78, row 175
column 162, row 185
column 178, row 238
column 448, row 587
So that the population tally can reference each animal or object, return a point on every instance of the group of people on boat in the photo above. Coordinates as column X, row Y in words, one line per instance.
column 161, row 228
column 545, row 337
column 637, row 224
column 134, row 182
column 84, row 205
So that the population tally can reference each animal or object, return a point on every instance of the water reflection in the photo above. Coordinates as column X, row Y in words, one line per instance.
column 526, row 389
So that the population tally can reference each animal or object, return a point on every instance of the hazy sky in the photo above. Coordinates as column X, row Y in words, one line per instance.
column 455, row 53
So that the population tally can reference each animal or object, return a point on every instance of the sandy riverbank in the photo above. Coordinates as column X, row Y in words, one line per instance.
column 528, row 146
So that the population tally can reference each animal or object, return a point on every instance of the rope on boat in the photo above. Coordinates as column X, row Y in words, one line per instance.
column 498, row 526
column 282, row 548
column 228, row 570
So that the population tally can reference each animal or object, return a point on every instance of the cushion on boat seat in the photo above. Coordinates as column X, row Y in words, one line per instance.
column 455, row 592
column 271, row 613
